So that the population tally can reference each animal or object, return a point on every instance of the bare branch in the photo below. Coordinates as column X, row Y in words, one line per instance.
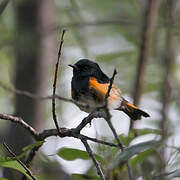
column 120, row 145
column 20, row 121
column 55, row 82
column 19, row 161
column 39, row 97
column 53, row 132
column 99, row 141
column 31, row 156
column 115, row 134
column 108, row 116
column 108, row 120
column 64, row 132
column 88, row 149
column 110, row 85
column 72, row 133
column 88, row 120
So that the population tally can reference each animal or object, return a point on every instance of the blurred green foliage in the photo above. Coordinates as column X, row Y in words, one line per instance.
column 72, row 154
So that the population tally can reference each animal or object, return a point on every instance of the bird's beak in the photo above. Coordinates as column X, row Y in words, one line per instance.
column 73, row 66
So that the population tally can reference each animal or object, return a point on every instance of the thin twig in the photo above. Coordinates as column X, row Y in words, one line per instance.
column 108, row 116
column 19, row 161
column 72, row 133
column 55, row 82
column 39, row 97
column 110, row 85
column 31, row 155
column 100, row 141
column 88, row 149
column 115, row 134
column 161, row 175
column 108, row 120
column 20, row 121
column 88, row 120
column 120, row 145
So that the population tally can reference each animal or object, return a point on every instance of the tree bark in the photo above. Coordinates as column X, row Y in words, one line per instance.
column 32, row 51
column 167, row 63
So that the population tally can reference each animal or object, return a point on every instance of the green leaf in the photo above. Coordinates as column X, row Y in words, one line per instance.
column 140, row 132
column 3, row 179
column 27, row 148
column 36, row 144
column 145, row 131
column 70, row 154
column 126, row 139
column 133, row 150
column 84, row 177
column 5, row 159
column 13, row 164
column 141, row 157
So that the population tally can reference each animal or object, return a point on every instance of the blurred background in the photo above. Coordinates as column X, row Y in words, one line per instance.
column 141, row 39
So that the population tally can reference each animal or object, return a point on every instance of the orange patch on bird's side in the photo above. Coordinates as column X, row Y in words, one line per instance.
column 114, row 99
column 98, row 87
column 103, row 88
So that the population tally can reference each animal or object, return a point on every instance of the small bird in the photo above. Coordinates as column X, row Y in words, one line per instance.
column 89, row 85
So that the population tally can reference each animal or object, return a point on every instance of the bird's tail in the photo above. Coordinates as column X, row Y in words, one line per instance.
column 132, row 111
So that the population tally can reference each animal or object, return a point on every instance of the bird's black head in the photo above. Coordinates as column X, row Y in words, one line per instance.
column 85, row 68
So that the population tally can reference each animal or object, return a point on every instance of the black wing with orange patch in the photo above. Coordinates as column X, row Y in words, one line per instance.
column 100, row 89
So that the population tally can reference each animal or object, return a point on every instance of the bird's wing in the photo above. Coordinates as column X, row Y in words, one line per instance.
column 100, row 89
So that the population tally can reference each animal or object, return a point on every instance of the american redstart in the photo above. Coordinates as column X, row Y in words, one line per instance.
column 89, row 85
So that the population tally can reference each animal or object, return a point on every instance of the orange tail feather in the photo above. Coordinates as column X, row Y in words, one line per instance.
column 132, row 111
